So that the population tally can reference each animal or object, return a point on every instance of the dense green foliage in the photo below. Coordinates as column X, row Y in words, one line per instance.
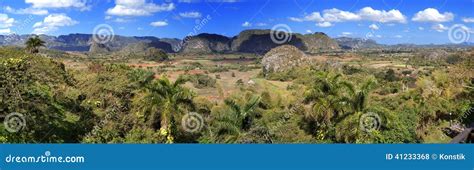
column 115, row 103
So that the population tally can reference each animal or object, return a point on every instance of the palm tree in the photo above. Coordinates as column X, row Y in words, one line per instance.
column 328, row 99
column 347, row 128
column 163, row 101
column 245, row 112
column 33, row 44
column 359, row 96
column 238, row 119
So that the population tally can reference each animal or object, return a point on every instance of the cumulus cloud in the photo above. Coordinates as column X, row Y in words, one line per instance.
column 52, row 23
column 32, row 11
column 382, row 16
column 432, row 15
column 122, row 20
column 346, row 33
column 468, row 20
column 57, row 3
column 5, row 21
column 373, row 27
column 138, row 8
column 246, row 24
column 5, row 31
column 439, row 27
column 329, row 16
column 336, row 15
column 315, row 16
column 190, row 14
column 159, row 23
column 324, row 24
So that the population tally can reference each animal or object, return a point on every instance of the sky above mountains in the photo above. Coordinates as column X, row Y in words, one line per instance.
column 386, row 21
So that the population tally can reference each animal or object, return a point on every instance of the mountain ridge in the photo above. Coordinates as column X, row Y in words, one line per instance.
column 247, row 41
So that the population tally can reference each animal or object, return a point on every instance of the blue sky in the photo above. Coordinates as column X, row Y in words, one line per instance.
column 386, row 21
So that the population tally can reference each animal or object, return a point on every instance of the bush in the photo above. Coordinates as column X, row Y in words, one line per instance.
column 154, row 54
column 202, row 81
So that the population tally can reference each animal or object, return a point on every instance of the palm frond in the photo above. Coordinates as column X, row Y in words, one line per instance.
column 233, row 105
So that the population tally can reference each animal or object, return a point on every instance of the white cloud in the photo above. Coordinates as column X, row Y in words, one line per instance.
column 5, row 21
column 364, row 14
column 398, row 36
column 57, row 3
column 5, row 31
column 159, row 23
column 261, row 24
column 378, row 36
column 52, row 22
column 346, row 33
column 309, row 31
column 324, row 24
column 421, row 28
column 382, row 16
column 138, row 8
column 432, row 15
column 468, row 20
column 190, row 15
column 439, row 27
column 465, row 28
column 32, row 11
column 336, row 15
column 121, row 20
column 373, row 27
column 246, row 24
column 315, row 16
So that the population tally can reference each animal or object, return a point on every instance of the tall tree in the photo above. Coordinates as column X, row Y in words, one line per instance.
column 238, row 118
column 327, row 95
column 33, row 44
column 163, row 101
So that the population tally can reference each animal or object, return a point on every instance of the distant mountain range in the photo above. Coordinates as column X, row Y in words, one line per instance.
column 248, row 41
